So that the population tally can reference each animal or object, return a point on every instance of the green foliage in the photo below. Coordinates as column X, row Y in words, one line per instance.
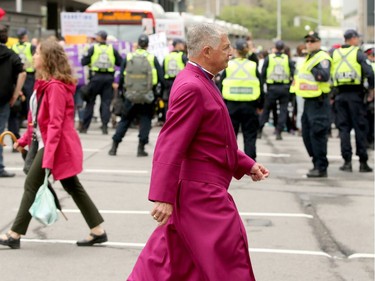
column 261, row 18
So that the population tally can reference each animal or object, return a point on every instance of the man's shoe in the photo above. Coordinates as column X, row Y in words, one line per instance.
column 316, row 174
column 364, row 168
column 105, row 130
column 113, row 150
column 347, row 167
column 141, row 150
column 96, row 239
column 278, row 136
column 5, row 174
column 11, row 242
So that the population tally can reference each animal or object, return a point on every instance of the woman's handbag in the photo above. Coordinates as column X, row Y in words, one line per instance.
column 33, row 146
column 44, row 208
column 33, row 149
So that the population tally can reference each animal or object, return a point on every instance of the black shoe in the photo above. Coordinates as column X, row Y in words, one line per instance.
column 316, row 174
column 278, row 136
column 141, row 150
column 96, row 239
column 11, row 242
column 113, row 150
column 5, row 174
column 364, row 168
column 83, row 131
column 104, row 130
column 347, row 167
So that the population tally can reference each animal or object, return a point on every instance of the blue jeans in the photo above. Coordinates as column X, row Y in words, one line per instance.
column 4, row 115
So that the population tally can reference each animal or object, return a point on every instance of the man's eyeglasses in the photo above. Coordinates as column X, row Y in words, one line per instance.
column 310, row 41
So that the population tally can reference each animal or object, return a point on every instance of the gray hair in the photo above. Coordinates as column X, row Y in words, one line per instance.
column 203, row 34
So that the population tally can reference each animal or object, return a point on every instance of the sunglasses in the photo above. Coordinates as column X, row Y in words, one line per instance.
column 310, row 41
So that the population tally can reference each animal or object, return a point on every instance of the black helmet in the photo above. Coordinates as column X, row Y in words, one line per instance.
column 143, row 41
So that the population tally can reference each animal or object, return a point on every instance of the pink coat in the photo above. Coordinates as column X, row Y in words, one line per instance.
column 195, row 158
column 62, row 146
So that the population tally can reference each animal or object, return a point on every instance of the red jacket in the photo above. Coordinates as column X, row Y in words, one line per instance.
column 62, row 146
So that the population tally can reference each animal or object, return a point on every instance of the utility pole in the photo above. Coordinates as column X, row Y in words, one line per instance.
column 278, row 36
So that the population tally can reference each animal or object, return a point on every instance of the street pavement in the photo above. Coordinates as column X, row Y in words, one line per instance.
column 299, row 229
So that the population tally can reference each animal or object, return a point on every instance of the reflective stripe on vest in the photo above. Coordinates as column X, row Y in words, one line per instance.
column 241, row 82
column 305, row 84
column 173, row 64
column 24, row 52
column 151, row 60
column 299, row 64
column 103, row 59
column 278, row 69
column 345, row 68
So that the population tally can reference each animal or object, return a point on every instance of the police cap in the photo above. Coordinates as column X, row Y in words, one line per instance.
column 241, row 44
column 279, row 45
column 177, row 41
column 21, row 32
column 313, row 34
column 351, row 33
column 143, row 41
column 102, row 34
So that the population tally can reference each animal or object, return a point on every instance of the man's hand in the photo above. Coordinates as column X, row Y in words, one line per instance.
column 14, row 98
column 161, row 212
column 370, row 96
column 258, row 172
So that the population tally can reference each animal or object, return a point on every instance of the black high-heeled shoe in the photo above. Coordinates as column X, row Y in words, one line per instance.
column 96, row 239
column 11, row 242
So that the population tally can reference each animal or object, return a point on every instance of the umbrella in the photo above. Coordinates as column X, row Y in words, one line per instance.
column 24, row 152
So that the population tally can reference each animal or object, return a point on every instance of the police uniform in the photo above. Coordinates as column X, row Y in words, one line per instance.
column 277, row 71
column 241, row 90
column 102, row 59
column 312, row 83
column 143, row 111
column 348, row 73
column 173, row 63
column 25, row 51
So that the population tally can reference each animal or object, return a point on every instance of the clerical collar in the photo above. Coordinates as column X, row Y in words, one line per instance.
column 210, row 75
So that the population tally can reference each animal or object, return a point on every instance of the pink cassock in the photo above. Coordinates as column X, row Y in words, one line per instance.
column 195, row 158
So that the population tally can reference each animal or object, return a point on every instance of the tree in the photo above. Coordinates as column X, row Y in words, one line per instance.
column 261, row 18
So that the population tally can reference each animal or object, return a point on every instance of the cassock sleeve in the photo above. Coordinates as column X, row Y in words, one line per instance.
column 183, row 120
column 244, row 165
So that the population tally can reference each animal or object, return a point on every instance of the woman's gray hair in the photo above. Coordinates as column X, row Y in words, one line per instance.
column 203, row 34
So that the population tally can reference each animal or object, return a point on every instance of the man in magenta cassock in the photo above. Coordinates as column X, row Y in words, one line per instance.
column 200, row 236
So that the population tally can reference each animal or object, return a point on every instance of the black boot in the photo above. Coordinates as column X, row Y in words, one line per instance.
column 347, row 167
column 141, row 150
column 364, row 168
column 105, row 129
column 113, row 149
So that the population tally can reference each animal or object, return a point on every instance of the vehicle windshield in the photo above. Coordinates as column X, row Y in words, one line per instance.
column 129, row 33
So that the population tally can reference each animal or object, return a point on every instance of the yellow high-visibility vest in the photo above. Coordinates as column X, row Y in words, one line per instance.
column 241, row 82
column 305, row 84
column 151, row 60
column 24, row 52
column 173, row 64
column 278, row 70
column 345, row 68
column 103, row 59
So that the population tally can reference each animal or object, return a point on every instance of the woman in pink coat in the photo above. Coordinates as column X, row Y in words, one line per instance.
column 59, row 147
column 200, row 236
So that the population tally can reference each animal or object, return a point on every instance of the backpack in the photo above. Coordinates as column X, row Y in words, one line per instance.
column 138, row 79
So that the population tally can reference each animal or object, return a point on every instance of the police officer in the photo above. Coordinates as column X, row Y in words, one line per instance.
column 241, row 90
column 102, row 58
column 173, row 63
column 348, row 73
column 312, row 83
column 277, row 72
column 144, row 111
column 25, row 51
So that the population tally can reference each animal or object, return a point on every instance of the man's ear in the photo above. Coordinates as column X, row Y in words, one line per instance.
column 207, row 50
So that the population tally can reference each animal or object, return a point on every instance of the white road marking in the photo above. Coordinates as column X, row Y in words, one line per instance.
column 361, row 255
column 275, row 155
column 250, row 214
